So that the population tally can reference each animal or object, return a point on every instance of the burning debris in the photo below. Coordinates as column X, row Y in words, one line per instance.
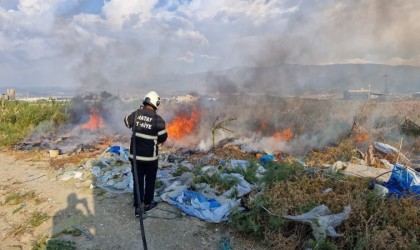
column 95, row 122
column 284, row 135
column 184, row 123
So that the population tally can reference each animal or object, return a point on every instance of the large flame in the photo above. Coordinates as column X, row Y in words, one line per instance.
column 183, row 124
column 284, row 135
column 95, row 121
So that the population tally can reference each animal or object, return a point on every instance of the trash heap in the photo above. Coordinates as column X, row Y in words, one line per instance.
column 276, row 195
column 388, row 168
column 208, row 192
column 112, row 171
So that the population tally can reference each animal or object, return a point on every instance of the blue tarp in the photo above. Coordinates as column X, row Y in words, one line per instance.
column 403, row 181
column 194, row 204
column 267, row 158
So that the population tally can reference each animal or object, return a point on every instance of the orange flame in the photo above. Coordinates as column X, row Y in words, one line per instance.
column 183, row 124
column 284, row 135
column 95, row 121
column 362, row 137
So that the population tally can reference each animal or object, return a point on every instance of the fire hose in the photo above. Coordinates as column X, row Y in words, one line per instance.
column 137, row 186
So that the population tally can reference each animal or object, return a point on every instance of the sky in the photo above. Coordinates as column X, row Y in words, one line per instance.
column 99, row 43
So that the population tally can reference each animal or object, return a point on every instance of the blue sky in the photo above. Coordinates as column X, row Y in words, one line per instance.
column 75, row 42
column 71, row 8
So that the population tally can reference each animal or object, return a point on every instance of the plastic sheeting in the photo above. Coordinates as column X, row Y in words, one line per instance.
column 403, row 181
column 267, row 158
column 205, row 205
column 322, row 221
column 196, row 205
column 385, row 148
column 113, row 174
column 241, row 189
column 113, row 171
column 388, row 149
column 361, row 171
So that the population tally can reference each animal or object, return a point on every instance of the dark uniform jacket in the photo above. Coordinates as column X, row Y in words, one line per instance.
column 150, row 131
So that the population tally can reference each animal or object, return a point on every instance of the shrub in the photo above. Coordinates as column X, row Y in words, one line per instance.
column 18, row 119
column 280, row 171
column 373, row 223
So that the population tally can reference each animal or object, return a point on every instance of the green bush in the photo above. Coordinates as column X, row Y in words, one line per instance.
column 251, row 222
column 217, row 181
column 280, row 171
column 249, row 173
column 18, row 119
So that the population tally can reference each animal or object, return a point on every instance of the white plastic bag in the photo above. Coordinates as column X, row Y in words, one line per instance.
column 322, row 221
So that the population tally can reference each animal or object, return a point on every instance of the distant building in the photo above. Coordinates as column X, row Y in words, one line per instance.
column 10, row 95
column 416, row 95
column 357, row 94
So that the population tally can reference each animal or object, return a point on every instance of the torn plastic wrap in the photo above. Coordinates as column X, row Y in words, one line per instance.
column 240, row 189
column 322, row 221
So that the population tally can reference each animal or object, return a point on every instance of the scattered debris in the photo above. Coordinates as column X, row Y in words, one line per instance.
column 361, row 171
column 322, row 221
column 84, row 232
column 72, row 174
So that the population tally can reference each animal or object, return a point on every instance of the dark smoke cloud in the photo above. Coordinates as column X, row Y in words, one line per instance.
column 221, row 84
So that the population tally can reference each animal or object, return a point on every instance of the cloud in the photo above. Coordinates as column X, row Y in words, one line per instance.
column 120, row 12
column 209, row 57
column 192, row 36
column 188, row 58
column 98, row 43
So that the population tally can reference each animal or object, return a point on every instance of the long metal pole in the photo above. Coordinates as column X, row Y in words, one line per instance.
column 137, row 185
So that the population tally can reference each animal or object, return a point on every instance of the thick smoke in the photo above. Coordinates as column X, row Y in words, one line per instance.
column 246, row 53
column 314, row 123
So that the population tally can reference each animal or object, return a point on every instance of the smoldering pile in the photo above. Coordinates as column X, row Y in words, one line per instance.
column 92, row 120
column 294, row 125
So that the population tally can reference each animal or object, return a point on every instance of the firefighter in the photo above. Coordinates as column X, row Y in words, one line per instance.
column 150, row 132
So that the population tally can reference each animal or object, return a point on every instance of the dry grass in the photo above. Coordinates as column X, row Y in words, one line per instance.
column 329, row 155
column 374, row 222
column 17, row 230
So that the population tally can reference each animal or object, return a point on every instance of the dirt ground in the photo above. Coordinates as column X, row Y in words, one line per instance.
column 36, row 205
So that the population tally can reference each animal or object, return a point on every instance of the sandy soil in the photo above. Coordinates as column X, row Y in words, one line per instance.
column 108, row 218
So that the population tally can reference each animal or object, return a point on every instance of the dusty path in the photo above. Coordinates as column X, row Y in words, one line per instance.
column 108, row 218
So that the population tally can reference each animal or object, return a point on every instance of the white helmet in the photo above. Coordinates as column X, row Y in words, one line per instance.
column 153, row 99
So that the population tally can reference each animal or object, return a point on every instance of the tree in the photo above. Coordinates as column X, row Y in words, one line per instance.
column 220, row 126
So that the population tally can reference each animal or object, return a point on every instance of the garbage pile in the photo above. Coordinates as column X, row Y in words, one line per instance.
column 388, row 168
column 208, row 192
column 112, row 171
column 211, row 187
